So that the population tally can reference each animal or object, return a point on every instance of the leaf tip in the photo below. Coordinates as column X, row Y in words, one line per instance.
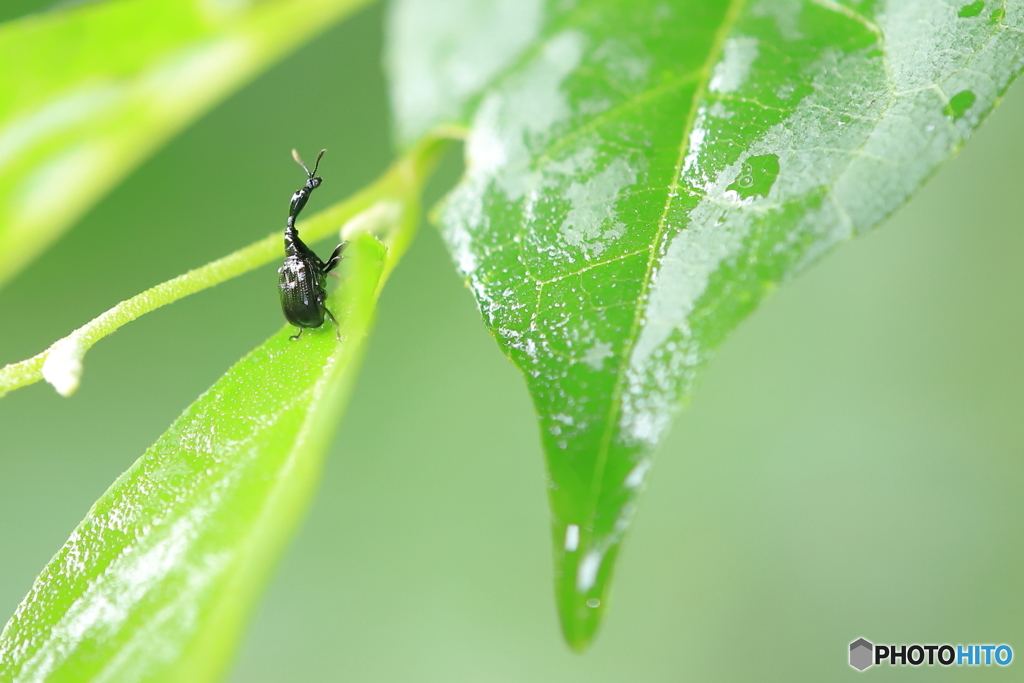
column 581, row 619
column 582, row 583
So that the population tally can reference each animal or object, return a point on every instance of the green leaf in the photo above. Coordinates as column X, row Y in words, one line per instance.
column 642, row 173
column 373, row 207
column 156, row 582
column 88, row 93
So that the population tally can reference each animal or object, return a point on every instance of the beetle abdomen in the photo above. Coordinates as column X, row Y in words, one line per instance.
column 299, row 282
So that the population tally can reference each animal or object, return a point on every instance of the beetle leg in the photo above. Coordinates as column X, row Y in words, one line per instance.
column 296, row 336
column 335, row 259
column 337, row 327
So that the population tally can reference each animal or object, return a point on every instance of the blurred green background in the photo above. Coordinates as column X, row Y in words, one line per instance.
column 852, row 465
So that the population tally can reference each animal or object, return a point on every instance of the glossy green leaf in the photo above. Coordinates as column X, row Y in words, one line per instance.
column 156, row 582
column 641, row 173
column 62, row 363
column 89, row 92
column 158, row 579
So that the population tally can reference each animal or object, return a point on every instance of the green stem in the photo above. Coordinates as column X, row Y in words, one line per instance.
column 376, row 207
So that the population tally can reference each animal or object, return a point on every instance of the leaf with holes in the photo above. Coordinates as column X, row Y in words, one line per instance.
column 641, row 173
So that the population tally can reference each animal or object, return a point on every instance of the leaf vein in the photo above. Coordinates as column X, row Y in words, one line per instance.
column 850, row 14
column 729, row 20
column 609, row 114
column 595, row 265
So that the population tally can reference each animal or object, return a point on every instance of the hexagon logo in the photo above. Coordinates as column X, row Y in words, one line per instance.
column 861, row 654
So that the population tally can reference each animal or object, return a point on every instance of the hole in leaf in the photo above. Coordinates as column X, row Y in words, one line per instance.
column 971, row 10
column 959, row 104
column 757, row 177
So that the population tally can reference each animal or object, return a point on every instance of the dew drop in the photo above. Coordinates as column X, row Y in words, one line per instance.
column 593, row 603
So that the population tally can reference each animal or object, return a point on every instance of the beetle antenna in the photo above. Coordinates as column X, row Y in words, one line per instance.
column 298, row 160
column 295, row 155
column 317, row 164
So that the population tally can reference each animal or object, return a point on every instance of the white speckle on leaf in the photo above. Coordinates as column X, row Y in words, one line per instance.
column 507, row 125
column 636, row 476
column 586, row 573
column 694, row 147
column 498, row 147
column 786, row 14
column 108, row 602
column 572, row 538
column 590, row 224
column 623, row 63
column 485, row 149
column 597, row 354
column 720, row 111
column 732, row 70
column 439, row 59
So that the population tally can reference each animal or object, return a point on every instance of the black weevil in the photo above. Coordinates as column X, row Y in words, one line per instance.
column 302, row 278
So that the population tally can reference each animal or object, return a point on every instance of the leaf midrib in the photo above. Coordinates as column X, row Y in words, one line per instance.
column 729, row 20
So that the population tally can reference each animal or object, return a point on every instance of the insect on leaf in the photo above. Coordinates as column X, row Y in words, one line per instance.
column 158, row 579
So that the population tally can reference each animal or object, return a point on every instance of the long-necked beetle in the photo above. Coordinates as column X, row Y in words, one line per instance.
column 302, row 278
